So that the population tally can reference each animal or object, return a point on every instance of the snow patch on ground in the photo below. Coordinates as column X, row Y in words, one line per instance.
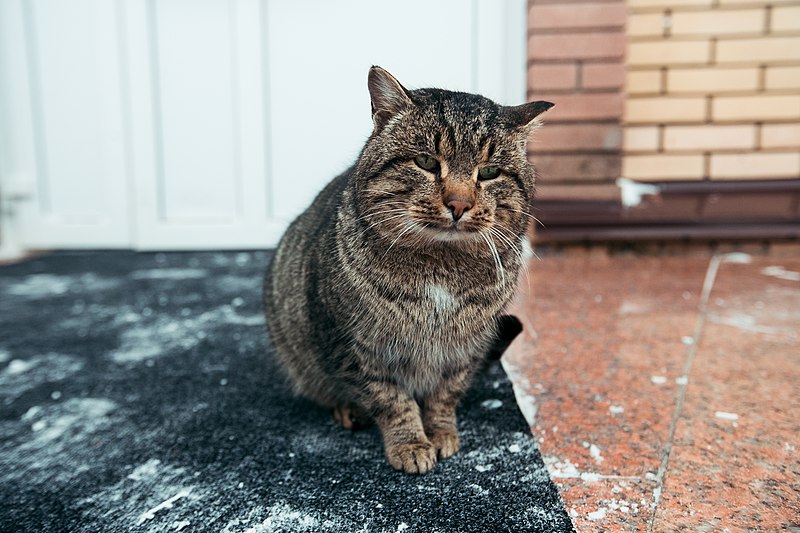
column 44, row 285
column 22, row 375
column 177, row 274
column 281, row 517
column 159, row 334
column 41, row 285
column 55, row 441
column 154, row 495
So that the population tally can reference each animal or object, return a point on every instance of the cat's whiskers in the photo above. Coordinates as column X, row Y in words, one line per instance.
column 377, row 191
column 526, row 214
column 497, row 230
column 408, row 226
column 501, row 274
column 375, row 212
column 387, row 219
column 382, row 208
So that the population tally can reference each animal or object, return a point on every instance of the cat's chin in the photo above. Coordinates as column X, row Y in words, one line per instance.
column 451, row 234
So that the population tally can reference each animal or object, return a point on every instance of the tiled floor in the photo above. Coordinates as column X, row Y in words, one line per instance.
column 665, row 391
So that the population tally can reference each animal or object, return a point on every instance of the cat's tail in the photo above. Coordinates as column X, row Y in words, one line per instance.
column 508, row 327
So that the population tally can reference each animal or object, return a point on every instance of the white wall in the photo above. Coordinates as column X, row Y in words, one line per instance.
column 192, row 124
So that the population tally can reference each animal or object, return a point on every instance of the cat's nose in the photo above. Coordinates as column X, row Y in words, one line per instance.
column 457, row 206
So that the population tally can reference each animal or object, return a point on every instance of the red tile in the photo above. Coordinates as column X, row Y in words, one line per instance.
column 599, row 370
column 735, row 462
column 598, row 330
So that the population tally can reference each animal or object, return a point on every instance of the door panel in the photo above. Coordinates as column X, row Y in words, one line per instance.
column 64, row 150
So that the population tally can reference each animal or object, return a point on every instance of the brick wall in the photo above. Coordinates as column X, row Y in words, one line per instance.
column 713, row 90
column 575, row 59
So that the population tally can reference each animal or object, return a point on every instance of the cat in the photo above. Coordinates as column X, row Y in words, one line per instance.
column 384, row 296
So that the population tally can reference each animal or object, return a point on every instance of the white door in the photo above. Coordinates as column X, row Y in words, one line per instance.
column 169, row 124
column 61, row 124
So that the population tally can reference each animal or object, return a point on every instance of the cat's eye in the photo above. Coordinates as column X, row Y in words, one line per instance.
column 488, row 173
column 426, row 162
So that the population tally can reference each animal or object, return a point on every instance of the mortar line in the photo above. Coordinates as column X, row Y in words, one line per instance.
column 708, row 284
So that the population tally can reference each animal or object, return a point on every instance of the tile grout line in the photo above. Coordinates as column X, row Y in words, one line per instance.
column 708, row 284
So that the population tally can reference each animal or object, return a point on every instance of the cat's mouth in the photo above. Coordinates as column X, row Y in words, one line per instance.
column 456, row 230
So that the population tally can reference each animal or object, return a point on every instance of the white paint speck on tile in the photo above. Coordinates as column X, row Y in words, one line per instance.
column 616, row 409
column 687, row 340
column 726, row 416
column 597, row 515
column 594, row 452
column 740, row 258
column 658, row 380
column 781, row 273
column 682, row 380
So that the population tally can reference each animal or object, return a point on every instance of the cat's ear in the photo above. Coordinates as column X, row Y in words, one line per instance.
column 387, row 95
column 526, row 115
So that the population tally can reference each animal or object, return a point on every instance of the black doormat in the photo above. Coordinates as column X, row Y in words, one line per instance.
column 137, row 393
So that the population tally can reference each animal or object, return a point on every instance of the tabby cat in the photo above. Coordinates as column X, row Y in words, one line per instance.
column 384, row 296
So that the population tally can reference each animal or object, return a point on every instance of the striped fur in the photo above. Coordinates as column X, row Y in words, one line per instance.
column 378, row 303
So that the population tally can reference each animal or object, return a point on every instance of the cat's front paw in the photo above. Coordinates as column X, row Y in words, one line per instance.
column 446, row 442
column 413, row 457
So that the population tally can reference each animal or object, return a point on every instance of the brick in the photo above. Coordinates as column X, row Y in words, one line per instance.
column 785, row 19
column 593, row 191
column 740, row 2
column 585, row 106
column 640, row 139
column 712, row 80
column 718, row 22
column 643, row 81
column 669, row 4
column 755, row 165
column 603, row 75
column 665, row 109
column 577, row 137
column 780, row 136
column 646, row 24
column 709, row 137
column 581, row 15
column 760, row 50
column 552, row 77
column 576, row 46
column 756, row 107
column 662, row 167
column 667, row 52
column 576, row 167
column 783, row 78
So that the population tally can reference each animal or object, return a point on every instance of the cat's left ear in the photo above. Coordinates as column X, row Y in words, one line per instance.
column 526, row 115
column 387, row 95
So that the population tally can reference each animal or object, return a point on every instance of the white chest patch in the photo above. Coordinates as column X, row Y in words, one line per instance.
column 442, row 299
